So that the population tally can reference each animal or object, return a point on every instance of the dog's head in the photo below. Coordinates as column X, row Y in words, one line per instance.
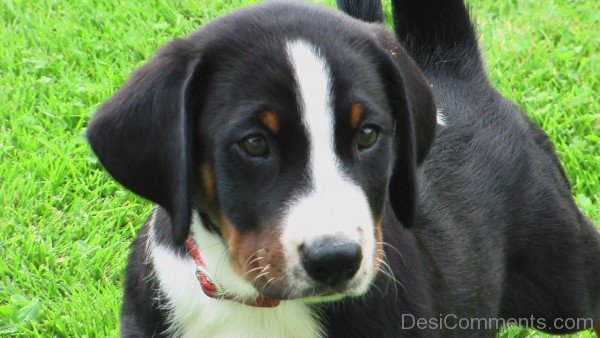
column 288, row 128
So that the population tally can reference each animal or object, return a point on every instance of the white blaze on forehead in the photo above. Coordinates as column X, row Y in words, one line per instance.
column 335, row 204
column 314, row 86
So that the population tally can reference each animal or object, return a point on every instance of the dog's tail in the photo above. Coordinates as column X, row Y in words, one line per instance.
column 438, row 34
column 366, row 10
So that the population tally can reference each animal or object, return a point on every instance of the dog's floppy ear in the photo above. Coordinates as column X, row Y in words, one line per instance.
column 142, row 135
column 413, row 106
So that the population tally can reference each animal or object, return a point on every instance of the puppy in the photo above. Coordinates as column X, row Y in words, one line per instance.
column 316, row 176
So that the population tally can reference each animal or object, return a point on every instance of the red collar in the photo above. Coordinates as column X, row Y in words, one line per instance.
column 212, row 290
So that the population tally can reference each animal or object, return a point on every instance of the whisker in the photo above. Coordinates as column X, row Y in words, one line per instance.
column 390, row 278
column 254, row 269
column 286, row 292
column 266, row 267
column 263, row 272
column 212, row 245
column 387, row 270
column 395, row 249
column 289, row 290
column 249, row 257
column 224, row 254
column 378, row 289
column 254, row 260
column 259, row 276
column 267, row 283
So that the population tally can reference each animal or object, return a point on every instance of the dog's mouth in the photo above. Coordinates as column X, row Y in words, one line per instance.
column 311, row 294
column 294, row 283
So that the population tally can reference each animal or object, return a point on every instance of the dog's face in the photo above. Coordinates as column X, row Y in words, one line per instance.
column 296, row 176
column 288, row 135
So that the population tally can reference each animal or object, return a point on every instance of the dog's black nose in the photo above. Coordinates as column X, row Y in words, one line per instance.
column 331, row 260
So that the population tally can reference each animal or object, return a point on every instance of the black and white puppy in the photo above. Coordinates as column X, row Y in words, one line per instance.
column 299, row 152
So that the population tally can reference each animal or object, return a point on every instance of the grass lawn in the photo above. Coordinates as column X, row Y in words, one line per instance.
column 66, row 227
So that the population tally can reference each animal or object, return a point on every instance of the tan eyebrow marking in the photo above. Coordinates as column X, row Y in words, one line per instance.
column 356, row 111
column 271, row 120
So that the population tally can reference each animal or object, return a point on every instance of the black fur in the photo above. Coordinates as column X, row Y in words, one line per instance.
column 490, row 227
column 366, row 10
column 438, row 35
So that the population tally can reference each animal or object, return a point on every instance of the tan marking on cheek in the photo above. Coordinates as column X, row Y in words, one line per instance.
column 356, row 111
column 209, row 196
column 255, row 253
column 233, row 239
column 273, row 252
column 271, row 120
column 208, row 183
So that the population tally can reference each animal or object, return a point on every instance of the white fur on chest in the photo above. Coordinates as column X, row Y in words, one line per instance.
column 193, row 314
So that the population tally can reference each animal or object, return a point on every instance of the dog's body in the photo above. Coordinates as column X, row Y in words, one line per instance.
column 496, row 233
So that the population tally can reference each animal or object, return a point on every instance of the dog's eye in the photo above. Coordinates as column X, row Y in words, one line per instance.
column 366, row 137
column 255, row 145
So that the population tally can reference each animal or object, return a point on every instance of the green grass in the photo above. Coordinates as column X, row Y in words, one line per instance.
column 65, row 226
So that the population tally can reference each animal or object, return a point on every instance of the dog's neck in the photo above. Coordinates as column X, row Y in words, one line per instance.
column 192, row 313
